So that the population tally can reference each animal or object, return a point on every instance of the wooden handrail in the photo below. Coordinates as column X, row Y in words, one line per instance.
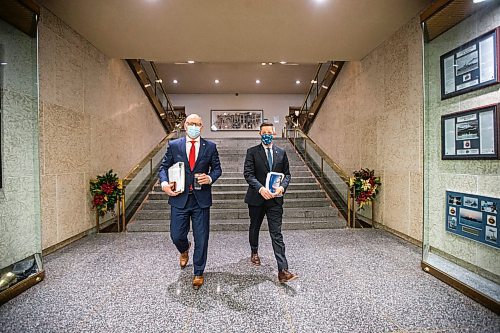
column 137, row 168
column 343, row 175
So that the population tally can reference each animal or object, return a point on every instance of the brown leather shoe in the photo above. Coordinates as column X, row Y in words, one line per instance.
column 197, row 281
column 254, row 258
column 285, row 276
column 184, row 258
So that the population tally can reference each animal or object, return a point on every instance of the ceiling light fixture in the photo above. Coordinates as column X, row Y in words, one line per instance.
column 175, row 81
column 257, row 81
column 159, row 80
column 3, row 63
column 282, row 62
column 314, row 81
column 478, row 1
column 216, row 81
column 263, row 64
column 324, row 87
column 269, row 63
column 147, row 85
column 297, row 82
column 190, row 61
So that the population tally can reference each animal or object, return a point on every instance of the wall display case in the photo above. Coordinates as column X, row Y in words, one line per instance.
column 461, row 158
column 471, row 66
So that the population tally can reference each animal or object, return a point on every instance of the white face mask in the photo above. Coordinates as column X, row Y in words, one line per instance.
column 193, row 131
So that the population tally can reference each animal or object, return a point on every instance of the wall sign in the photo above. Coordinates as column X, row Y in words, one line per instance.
column 472, row 66
column 473, row 216
column 471, row 134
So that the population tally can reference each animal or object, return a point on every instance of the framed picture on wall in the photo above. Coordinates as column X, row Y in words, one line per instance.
column 236, row 120
column 471, row 134
column 471, row 66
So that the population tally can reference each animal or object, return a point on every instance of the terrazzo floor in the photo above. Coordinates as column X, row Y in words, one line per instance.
column 350, row 281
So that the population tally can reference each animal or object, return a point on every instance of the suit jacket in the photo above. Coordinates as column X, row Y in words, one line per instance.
column 207, row 162
column 256, row 169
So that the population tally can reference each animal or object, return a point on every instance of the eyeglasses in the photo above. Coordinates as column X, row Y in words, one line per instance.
column 193, row 124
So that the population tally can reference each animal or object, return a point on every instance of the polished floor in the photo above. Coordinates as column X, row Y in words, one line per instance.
column 350, row 281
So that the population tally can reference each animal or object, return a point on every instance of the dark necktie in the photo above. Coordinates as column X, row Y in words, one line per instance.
column 269, row 159
column 192, row 156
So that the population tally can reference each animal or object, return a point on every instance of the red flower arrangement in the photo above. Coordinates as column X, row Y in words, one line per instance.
column 105, row 193
column 365, row 186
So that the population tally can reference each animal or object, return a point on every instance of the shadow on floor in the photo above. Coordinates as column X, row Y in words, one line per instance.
column 237, row 286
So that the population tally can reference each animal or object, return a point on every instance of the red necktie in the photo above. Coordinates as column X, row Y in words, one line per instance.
column 192, row 157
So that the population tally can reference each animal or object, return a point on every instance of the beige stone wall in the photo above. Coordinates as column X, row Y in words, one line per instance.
column 372, row 118
column 94, row 117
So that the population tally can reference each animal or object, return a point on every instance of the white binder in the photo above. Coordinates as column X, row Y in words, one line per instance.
column 176, row 175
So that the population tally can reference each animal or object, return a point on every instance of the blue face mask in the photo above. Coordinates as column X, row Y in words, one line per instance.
column 266, row 138
column 193, row 131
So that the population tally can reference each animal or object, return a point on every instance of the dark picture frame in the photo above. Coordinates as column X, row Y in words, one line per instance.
column 236, row 120
column 471, row 134
column 471, row 66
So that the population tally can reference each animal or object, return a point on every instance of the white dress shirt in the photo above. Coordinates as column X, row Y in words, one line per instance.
column 188, row 149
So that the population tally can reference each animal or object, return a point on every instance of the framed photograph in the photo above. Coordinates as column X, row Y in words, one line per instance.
column 236, row 120
column 471, row 134
column 471, row 66
column 472, row 216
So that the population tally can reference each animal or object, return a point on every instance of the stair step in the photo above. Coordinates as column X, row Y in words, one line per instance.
column 216, row 195
column 242, row 225
column 240, row 204
column 237, row 174
column 241, row 180
column 242, row 213
column 243, row 187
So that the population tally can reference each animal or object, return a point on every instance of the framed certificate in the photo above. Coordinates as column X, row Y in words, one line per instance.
column 472, row 66
column 471, row 134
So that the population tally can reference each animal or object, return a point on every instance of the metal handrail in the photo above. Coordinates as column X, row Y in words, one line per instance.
column 343, row 175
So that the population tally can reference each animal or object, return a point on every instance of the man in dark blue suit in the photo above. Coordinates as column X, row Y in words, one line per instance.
column 260, row 160
column 200, row 157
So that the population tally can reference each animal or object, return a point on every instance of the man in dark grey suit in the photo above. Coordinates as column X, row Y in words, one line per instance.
column 260, row 160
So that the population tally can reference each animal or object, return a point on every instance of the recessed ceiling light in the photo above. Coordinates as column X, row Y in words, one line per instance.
column 282, row 62
column 314, row 81
column 147, row 85
column 269, row 63
column 263, row 64
column 216, row 81
column 478, row 1
column 159, row 80
column 3, row 63
column 257, row 81
column 297, row 82
column 175, row 81
column 324, row 87
column 190, row 61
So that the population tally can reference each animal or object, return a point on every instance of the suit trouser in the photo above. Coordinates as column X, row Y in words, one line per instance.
column 179, row 229
column 274, row 214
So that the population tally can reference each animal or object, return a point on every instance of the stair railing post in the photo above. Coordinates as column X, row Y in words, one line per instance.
column 97, row 221
column 122, row 202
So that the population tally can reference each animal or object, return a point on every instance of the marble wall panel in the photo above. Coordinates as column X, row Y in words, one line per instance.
column 372, row 118
column 94, row 117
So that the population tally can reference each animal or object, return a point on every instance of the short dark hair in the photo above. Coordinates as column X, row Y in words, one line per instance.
column 266, row 124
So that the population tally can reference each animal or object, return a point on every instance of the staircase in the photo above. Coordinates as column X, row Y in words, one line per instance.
column 306, row 204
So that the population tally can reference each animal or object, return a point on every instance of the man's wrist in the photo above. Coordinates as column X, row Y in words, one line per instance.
column 209, row 180
column 164, row 183
column 260, row 189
